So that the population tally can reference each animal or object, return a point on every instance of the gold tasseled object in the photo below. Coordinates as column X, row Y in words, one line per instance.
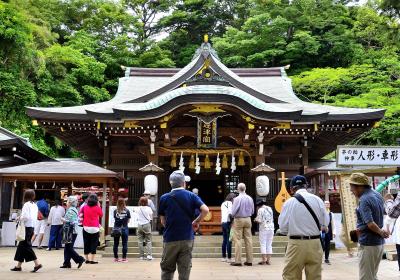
column 225, row 161
column 207, row 163
column 241, row 159
column 173, row 160
column 191, row 162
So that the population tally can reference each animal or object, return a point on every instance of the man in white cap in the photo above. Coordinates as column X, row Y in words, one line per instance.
column 177, row 215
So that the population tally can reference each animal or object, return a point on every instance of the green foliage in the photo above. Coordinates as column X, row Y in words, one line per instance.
column 70, row 52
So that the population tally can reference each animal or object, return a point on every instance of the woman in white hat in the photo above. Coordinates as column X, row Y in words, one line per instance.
column 70, row 232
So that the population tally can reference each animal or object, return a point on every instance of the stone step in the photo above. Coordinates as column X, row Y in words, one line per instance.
column 197, row 243
column 195, row 255
column 202, row 238
column 212, row 250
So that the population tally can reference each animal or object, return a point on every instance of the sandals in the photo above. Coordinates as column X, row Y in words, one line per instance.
column 262, row 263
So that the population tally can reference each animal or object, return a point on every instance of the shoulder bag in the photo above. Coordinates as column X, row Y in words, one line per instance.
column 301, row 199
column 20, row 233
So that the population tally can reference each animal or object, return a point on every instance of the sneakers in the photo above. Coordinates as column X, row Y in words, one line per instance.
column 149, row 258
column 124, row 260
column 229, row 260
column 224, row 260
column 141, row 258
column 116, row 260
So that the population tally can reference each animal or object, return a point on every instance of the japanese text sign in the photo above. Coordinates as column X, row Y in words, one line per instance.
column 206, row 134
column 368, row 155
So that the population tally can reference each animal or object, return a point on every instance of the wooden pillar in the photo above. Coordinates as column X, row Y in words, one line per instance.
column 1, row 192
column 106, row 152
column 104, row 205
column 326, row 186
column 14, row 186
column 304, row 159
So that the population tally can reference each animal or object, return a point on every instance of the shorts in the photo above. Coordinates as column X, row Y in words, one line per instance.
column 40, row 226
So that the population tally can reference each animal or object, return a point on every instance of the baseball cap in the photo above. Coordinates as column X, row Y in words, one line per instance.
column 359, row 179
column 260, row 201
column 298, row 180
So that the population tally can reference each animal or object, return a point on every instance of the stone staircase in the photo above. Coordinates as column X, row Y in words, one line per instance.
column 204, row 247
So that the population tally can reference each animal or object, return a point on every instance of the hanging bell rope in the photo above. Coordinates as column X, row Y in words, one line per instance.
column 207, row 152
column 207, row 163
column 225, row 162
column 191, row 162
column 241, row 159
column 173, row 160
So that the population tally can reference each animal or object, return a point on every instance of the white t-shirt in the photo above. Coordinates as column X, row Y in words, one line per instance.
column 56, row 213
column 145, row 215
column 226, row 209
column 29, row 214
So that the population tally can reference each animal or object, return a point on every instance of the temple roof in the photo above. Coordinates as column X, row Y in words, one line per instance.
column 263, row 93
column 13, row 146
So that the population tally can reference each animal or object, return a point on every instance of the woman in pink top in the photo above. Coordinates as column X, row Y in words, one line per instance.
column 90, row 215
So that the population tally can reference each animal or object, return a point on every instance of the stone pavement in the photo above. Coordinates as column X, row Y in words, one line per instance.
column 203, row 269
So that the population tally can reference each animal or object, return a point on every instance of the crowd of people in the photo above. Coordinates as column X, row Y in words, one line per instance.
column 305, row 219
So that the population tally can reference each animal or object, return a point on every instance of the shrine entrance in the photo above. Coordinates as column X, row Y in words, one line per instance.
column 210, row 186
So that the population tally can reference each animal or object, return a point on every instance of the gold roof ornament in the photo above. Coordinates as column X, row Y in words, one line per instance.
column 205, row 38
column 262, row 168
column 151, row 167
column 207, row 108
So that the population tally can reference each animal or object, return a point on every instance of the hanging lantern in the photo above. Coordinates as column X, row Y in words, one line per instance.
column 207, row 163
column 241, row 159
column 173, row 160
column 262, row 185
column 151, row 184
column 191, row 162
column 225, row 161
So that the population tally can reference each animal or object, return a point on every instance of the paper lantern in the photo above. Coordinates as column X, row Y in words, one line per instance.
column 262, row 185
column 151, row 184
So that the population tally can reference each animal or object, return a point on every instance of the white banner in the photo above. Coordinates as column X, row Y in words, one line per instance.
column 133, row 223
column 368, row 155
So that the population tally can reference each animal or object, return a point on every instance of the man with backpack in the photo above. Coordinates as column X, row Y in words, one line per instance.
column 40, row 228
column 177, row 215
column 302, row 219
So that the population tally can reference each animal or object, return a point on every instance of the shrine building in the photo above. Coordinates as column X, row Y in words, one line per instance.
column 217, row 122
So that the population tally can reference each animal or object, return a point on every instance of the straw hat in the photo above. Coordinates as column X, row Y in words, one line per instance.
column 359, row 179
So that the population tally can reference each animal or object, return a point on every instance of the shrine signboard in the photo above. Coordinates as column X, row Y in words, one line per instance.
column 368, row 155
column 206, row 134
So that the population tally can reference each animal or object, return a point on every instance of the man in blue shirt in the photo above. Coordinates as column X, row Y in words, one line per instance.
column 41, row 224
column 370, row 212
column 177, row 215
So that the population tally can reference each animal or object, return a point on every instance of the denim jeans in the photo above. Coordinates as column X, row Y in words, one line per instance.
column 55, row 236
column 124, row 237
column 226, row 244
column 70, row 253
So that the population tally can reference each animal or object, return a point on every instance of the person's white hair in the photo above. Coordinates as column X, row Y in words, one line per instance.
column 73, row 200
column 195, row 191
column 241, row 187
